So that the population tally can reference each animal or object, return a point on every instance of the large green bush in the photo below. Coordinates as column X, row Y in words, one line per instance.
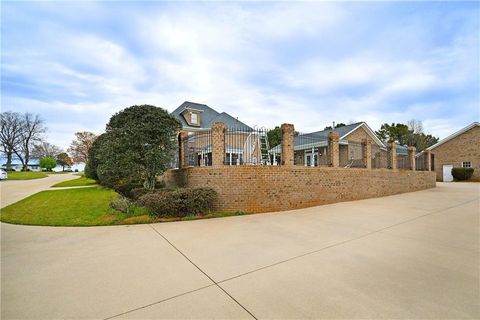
column 135, row 149
column 462, row 174
column 48, row 163
column 179, row 202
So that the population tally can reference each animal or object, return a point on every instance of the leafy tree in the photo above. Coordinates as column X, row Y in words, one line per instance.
column 136, row 147
column 338, row 125
column 48, row 163
column 274, row 137
column 93, row 161
column 45, row 149
column 80, row 146
column 396, row 132
column 411, row 134
column 64, row 160
column 10, row 134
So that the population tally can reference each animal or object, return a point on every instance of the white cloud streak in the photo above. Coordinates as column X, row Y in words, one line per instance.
column 237, row 58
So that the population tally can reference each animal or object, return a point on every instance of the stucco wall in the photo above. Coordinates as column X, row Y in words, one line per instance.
column 256, row 189
column 465, row 147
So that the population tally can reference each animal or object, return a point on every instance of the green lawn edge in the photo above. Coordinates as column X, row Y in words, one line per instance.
column 26, row 175
column 82, row 207
column 77, row 182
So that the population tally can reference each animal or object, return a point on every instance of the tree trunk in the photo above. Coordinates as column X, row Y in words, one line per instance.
column 9, row 160
column 150, row 181
column 27, row 158
column 21, row 159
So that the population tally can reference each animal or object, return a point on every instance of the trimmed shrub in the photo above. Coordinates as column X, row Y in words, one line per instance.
column 179, row 202
column 125, row 205
column 136, row 193
column 120, row 204
column 462, row 174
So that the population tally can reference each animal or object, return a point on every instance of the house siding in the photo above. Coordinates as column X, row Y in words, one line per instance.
column 465, row 147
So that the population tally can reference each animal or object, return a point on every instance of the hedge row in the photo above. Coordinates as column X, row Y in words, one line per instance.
column 462, row 173
column 179, row 202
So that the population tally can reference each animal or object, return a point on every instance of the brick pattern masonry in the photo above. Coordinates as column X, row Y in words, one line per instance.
column 465, row 147
column 256, row 189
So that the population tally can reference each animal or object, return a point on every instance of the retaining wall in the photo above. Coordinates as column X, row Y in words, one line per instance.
column 256, row 189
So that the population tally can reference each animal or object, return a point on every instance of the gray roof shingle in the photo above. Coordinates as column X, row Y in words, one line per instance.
column 208, row 117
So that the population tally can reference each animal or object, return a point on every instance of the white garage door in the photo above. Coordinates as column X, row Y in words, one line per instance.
column 447, row 173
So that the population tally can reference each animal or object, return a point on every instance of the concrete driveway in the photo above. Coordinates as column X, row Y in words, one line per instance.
column 15, row 190
column 413, row 255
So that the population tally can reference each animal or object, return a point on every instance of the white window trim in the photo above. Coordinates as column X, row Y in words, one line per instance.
column 192, row 119
column 464, row 162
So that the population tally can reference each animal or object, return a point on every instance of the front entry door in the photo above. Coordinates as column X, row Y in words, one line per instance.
column 447, row 173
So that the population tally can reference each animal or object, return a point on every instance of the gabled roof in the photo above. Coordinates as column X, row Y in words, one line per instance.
column 342, row 132
column 454, row 135
column 208, row 117
column 231, row 122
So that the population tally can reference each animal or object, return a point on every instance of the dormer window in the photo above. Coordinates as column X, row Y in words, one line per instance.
column 194, row 118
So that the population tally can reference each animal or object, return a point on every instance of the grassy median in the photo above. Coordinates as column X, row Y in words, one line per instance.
column 70, row 207
column 83, row 207
column 79, row 182
column 26, row 175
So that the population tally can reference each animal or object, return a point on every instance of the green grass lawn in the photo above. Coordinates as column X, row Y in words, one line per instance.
column 82, row 207
column 26, row 175
column 82, row 181
column 69, row 207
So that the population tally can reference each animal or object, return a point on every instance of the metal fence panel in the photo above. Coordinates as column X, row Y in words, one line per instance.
column 379, row 157
column 249, row 147
column 420, row 162
column 352, row 155
column 198, row 148
column 310, row 150
column 402, row 161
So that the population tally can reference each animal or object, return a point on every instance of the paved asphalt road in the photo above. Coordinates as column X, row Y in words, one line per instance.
column 413, row 255
column 15, row 190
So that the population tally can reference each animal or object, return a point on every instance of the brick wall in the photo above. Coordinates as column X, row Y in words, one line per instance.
column 358, row 135
column 465, row 147
column 256, row 189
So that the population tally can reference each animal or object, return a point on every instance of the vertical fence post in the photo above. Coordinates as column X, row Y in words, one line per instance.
column 411, row 158
column 428, row 159
column 218, row 143
column 288, row 141
column 181, row 149
column 333, row 149
column 367, row 153
column 392, row 155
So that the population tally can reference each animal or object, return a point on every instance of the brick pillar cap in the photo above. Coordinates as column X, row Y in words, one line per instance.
column 411, row 148
column 392, row 144
column 333, row 135
column 286, row 125
column 218, row 125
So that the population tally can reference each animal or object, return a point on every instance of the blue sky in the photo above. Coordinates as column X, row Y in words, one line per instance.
column 267, row 63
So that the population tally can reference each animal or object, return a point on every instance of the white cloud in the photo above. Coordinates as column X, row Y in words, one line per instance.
column 235, row 58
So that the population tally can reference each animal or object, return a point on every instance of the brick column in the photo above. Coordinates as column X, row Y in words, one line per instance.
column 392, row 156
column 218, row 143
column 428, row 159
column 288, row 141
column 411, row 158
column 367, row 154
column 181, row 149
column 333, row 149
